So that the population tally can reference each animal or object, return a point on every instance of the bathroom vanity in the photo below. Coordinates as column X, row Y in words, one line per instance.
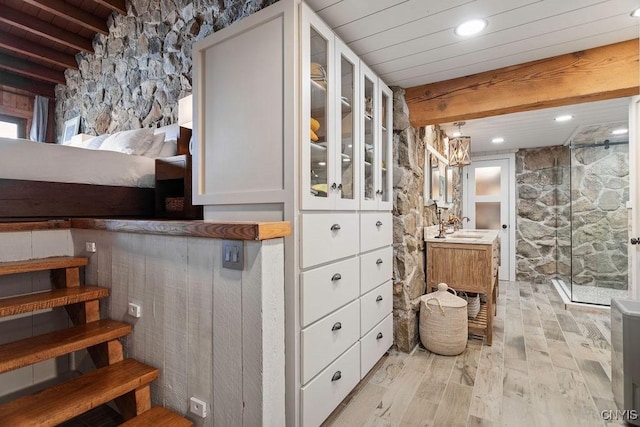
column 467, row 260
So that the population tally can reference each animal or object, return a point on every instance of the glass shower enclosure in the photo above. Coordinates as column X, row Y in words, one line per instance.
column 592, row 219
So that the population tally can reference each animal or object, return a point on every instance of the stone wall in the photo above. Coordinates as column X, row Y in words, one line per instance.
column 143, row 66
column 600, row 190
column 542, row 214
column 408, row 210
column 571, row 215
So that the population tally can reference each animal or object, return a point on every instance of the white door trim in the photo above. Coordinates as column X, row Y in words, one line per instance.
column 511, row 157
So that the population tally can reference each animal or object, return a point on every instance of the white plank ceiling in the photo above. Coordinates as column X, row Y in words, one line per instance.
column 411, row 42
column 539, row 129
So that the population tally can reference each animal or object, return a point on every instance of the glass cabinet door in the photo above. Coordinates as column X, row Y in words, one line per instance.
column 346, row 126
column 386, row 146
column 369, row 99
column 317, row 118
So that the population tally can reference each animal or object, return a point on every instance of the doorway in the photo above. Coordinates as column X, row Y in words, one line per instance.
column 489, row 193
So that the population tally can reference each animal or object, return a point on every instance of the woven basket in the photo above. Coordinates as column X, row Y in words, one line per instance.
column 444, row 328
column 473, row 304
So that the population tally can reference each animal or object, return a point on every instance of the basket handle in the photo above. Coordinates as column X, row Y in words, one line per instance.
column 426, row 303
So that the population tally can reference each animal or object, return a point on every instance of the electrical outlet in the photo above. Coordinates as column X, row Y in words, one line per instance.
column 90, row 246
column 233, row 254
column 198, row 407
column 134, row 310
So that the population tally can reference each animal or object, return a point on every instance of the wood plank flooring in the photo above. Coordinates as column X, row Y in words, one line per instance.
column 546, row 367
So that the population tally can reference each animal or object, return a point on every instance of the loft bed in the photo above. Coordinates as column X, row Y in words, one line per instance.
column 49, row 181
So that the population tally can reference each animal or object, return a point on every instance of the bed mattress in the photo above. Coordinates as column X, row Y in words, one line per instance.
column 36, row 161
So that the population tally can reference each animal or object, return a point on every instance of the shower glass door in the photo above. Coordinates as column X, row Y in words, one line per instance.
column 599, row 222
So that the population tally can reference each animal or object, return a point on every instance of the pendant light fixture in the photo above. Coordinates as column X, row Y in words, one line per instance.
column 460, row 148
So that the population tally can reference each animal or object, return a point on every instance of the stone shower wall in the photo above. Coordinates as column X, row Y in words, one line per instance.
column 542, row 214
column 408, row 244
column 143, row 66
column 573, row 197
column 600, row 182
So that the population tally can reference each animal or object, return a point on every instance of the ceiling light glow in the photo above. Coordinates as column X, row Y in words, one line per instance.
column 563, row 118
column 457, row 134
column 470, row 27
column 497, row 140
column 621, row 131
column 636, row 13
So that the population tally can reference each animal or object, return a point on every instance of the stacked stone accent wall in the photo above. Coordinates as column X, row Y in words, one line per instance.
column 543, row 237
column 143, row 66
column 600, row 190
column 571, row 215
column 408, row 243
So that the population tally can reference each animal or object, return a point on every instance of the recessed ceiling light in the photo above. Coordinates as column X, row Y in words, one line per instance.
column 470, row 27
column 346, row 159
column 636, row 13
column 457, row 134
column 322, row 163
column 497, row 140
column 563, row 118
column 621, row 131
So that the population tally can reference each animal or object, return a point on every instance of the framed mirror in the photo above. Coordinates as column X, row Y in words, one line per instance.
column 437, row 181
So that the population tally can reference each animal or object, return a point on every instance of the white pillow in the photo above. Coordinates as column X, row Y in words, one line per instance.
column 156, row 145
column 95, row 143
column 129, row 141
column 170, row 148
column 78, row 143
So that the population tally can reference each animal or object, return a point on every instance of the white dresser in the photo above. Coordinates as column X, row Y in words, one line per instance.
column 291, row 125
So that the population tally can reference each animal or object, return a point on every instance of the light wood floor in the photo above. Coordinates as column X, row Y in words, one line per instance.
column 547, row 367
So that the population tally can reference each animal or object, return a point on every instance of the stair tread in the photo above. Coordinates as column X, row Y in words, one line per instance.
column 49, row 299
column 64, row 401
column 35, row 349
column 40, row 264
column 158, row 416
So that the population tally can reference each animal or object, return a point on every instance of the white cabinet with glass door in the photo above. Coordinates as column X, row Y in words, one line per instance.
column 376, row 128
column 329, row 118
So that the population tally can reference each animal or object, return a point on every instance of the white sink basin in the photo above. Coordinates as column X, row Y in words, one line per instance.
column 468, row 234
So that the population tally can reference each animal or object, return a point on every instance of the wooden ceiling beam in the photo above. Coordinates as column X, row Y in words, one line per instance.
column 596, row 74
column 70, row 13
column 117, row 6
column 32, row 86
column 37, row 51
column 44, row 29
column 29, row 69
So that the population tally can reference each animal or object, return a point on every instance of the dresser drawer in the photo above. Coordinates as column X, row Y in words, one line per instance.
column 376, row 230
column 375, row 306
column 322, row 395
column 324, row 289
column 327, row 237
column 375, row 344
column 375, row 269
column 325, row 340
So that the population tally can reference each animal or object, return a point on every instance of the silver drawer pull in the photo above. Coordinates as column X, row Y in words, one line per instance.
column 336, row 376
column 335, row 227
column 337, row 326
column 379, row 337
column 335, row 277
column 379, row 261
column 379, row 224
column 379, row 298
column 334, row 186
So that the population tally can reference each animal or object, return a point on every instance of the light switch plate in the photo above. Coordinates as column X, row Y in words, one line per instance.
column 233, row 254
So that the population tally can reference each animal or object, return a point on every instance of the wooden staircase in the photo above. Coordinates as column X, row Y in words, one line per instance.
column 124, row 381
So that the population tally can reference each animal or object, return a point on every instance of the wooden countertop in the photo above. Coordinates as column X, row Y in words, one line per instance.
column 244, row 230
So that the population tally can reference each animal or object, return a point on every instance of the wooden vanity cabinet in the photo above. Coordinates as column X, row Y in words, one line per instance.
column 468, row 267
